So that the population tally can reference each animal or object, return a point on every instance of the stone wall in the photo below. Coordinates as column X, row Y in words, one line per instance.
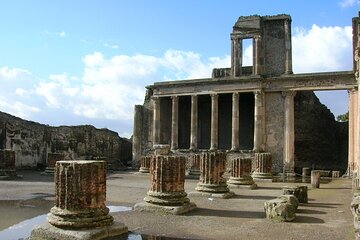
column 274, row 118
column 320, row 141
column 32, row 142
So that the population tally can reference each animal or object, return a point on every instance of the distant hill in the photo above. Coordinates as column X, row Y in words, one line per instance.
column 32, row 141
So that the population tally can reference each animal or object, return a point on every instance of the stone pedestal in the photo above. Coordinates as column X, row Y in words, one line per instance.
column 300, row 192
column 194, row 170
column 167, row 193
column 305, row 172
column 263, row 166
column 355, row 209
column 7, row 164
column 335, row 174
column 240, row 174
column 52, row 158
column 315, row 178
column 356, row 184
column 212, row 183
column 145, row 164
column 80, row 194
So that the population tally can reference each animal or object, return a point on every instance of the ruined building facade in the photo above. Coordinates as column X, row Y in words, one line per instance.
column 242, row 109
column 33, row 143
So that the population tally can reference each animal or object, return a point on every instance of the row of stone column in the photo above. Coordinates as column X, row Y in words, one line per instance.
column 202, row 164
column 258, row 131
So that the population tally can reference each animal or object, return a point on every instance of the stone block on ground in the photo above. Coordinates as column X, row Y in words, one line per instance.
column 300, row 192
column 279, row 210
column 290, row 199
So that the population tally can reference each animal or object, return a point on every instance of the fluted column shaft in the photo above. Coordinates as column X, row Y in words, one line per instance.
column 289, row 132
column 156, row 121
column 214, row 122
column 194, row 123
column 257, row 53
column 175, row 123
column 236, row 60
column 259, row 121
column 235, row 122
column 80, row 194
column 288, row 51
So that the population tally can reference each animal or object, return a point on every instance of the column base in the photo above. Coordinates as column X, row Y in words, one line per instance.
column 167, row 198
column 212, row 188
column 48, row 231
column 262, row 176
column 242, row 182
column 154, row 208
column 212, row 195
column 144, row 170
column 87, row 218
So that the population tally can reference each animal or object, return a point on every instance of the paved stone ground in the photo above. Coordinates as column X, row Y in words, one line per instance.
column 326, row 216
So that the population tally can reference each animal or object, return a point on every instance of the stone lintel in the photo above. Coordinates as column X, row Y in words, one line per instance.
column 296, row 82
column 47, row 231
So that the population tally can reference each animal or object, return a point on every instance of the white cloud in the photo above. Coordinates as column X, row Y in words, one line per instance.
column 348, row 3
column 322, row 49
column 13, row 73
column 61, row 34
column 111, row 46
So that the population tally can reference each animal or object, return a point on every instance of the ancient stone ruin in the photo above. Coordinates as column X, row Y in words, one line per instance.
column 167, row 193
column 35, row 144
column 79, row 211
column 250, row 110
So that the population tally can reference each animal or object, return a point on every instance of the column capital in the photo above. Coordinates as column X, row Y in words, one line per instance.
column 258, row 92
column 288, row 93
column 236, row 94
column 155, row 98
column 213, row 95
column 175, row 98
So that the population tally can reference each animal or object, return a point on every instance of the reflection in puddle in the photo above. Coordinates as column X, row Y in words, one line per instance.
column 23, row 229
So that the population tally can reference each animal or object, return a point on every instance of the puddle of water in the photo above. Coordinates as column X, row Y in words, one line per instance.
column 22, row 230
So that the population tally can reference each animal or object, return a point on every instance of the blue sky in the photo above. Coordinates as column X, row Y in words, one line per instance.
column 88, row 62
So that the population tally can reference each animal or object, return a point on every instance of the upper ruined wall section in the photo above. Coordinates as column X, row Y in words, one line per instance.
column 32, row 142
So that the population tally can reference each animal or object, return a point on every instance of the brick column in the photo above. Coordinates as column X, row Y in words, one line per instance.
column 263, row 166
column 52, row 158
column 194, row 123
column 156, row 121
column 195, row 165
column 212, row 183
column 175, row 123
column 80, row 194
column 167, row 193
column 145, row 164
column 214, row 122
column 289, row 134
column 240, row 173
column 235, row 122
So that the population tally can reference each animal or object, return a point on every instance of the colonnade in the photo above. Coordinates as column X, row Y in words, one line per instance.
column 259, row 124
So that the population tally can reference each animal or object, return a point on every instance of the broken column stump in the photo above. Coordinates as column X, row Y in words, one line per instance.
column 52, row 158
column 194, row 170
column 355, row 209
column 263, row 166
column 240, row 174
column 145, row 164
column 7, row 165
column 335, row 174
column 315, row 178
column 211, row 182
column 167, row 193
column 79, row 211
column 300, row 192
